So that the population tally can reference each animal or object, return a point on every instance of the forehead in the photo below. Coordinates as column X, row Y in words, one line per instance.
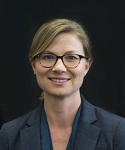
column 66, row 42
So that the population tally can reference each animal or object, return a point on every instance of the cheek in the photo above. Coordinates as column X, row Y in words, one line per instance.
column 40, row 75
column 40, row 71
column 77, row 80
column 79, row 71
column 41, row 80
column 78, row 74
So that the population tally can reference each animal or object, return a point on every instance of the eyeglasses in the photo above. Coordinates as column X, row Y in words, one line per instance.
column 48, row 60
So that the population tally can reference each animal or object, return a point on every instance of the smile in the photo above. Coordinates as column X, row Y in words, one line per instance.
column 59, row 80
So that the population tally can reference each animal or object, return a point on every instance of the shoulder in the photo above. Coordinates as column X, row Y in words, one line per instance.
column 106, row 121
column 19, row 122
column 10, row 131
column 107, row 117
column 111, row 126
column 109, row 121
column 102, row 116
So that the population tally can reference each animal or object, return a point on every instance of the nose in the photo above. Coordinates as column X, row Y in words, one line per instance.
column 59, row 66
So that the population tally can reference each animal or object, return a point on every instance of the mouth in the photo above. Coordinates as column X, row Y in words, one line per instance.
column 63, row 80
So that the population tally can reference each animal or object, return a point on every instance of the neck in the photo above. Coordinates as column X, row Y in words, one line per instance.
column 61, row 112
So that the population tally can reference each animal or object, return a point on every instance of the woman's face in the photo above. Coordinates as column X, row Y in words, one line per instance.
column 60, row 80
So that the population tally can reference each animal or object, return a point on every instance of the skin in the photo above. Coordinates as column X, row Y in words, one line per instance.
column 61, row 99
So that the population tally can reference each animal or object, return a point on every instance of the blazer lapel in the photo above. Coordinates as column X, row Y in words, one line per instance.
column 87, row 134
column 86, row 138
column 30, row 136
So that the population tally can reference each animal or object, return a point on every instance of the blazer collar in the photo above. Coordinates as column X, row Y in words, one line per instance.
column 87, row 134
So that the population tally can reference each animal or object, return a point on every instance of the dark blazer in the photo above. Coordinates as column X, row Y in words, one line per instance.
column 97, row 130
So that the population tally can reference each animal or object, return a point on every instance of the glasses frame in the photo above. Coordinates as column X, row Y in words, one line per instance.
column 61, row 57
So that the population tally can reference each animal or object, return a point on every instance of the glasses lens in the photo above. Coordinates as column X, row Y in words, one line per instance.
column 47, row 59
column 71, row 60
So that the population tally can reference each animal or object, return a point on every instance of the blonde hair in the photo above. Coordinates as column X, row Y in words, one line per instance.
column 49, row 30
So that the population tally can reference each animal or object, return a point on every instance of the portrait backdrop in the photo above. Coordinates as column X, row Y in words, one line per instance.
column 104, row 20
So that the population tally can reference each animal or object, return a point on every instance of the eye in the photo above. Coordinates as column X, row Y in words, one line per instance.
column 71, row 57
column 47, row 56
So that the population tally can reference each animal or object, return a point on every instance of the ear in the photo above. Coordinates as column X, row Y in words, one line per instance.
column 88, row 65
column 33, row 66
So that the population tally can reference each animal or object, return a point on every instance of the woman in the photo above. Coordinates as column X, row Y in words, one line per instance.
column 60, row 56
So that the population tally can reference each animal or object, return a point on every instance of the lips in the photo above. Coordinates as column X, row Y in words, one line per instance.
column 59, row 80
